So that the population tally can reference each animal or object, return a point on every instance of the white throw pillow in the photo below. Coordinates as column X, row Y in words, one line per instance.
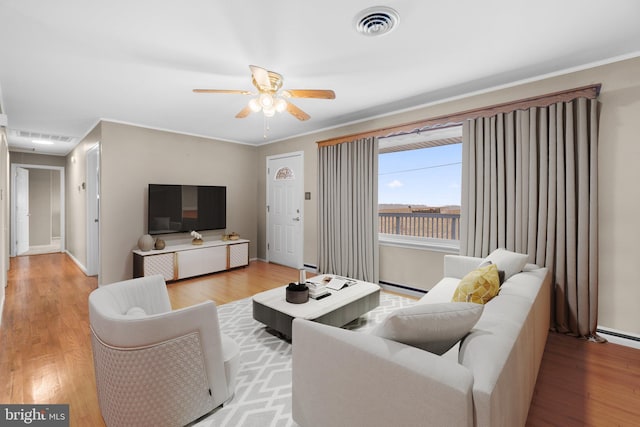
column 432, row 327
column 509, row 262
column 136, row 312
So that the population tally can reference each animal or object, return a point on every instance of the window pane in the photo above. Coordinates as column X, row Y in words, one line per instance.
column 419, row 192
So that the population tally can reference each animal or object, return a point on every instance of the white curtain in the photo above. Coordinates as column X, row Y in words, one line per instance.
column 530, row 186
column 348, row 209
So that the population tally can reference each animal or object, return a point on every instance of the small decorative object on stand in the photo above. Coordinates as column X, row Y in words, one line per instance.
column 145, row 242
column 232, row 236
column 197, row 238
column 160, row 244
column 297, row 293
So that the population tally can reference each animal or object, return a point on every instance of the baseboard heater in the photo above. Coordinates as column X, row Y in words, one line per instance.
column 405, row 287
column 380, row 282
column 618, row 335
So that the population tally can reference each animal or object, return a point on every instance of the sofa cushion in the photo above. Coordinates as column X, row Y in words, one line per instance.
column 526, row 284
column 510, row 262
column 136, row 311
column 479, row 286
column 501, row 273
column 432, row 327
column 441, row 292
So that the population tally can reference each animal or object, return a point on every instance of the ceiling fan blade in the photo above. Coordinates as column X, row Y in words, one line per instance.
column 243, row 113
column 297, row 112
column 261, row 78
column 241, row 92
column 309, row 93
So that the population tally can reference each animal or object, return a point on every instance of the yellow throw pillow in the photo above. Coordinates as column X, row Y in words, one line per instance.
column 478, row 286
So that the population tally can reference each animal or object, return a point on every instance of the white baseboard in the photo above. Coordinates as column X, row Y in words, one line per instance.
column 616, row 336
column 78, row 263
column 1, row 307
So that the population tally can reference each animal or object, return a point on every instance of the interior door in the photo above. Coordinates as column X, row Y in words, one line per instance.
column 22, row 210
column 285, row 187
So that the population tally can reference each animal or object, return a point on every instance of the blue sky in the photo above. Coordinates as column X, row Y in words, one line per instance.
column 428, row 176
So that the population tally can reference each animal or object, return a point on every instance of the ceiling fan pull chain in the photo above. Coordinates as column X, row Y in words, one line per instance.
column 265, row 127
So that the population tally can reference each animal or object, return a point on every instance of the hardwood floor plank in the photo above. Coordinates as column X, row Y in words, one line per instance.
column 45, row 348
column 586, row 384
column 45, row 337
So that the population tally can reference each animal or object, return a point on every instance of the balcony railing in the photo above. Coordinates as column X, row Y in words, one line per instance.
column 420, row 224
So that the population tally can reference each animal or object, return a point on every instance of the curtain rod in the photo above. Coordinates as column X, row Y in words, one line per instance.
column 590, row 92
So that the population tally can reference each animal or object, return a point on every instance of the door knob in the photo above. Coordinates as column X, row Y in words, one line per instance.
column 296, row 218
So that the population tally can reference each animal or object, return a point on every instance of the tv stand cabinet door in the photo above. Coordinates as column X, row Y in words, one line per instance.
column 196, row 262
column 238, row 255
column 162, row 264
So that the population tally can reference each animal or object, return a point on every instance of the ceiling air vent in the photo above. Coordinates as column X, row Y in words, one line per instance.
column 376, row 21
column 43, row 136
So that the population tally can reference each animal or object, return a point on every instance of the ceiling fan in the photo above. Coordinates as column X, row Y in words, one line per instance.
column 270, row 98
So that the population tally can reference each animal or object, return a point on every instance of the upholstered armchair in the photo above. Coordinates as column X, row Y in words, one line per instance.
column 157, row 366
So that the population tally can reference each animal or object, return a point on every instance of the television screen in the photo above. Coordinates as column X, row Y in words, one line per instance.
column 184, row 208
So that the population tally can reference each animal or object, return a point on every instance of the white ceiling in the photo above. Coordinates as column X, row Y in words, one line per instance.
column 66, row 64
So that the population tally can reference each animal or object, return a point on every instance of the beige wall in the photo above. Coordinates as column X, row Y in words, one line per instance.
column 55, row 204
column 40, row 207
column 76, row 197
column 619, row 204
column 36, row 159
column 133, row 157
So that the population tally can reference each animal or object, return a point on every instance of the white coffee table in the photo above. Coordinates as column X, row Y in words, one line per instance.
column 341, row 307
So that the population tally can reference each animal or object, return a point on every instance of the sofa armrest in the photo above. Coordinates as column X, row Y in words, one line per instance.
column 130, row 331
column 458, row 266
column 343, row 377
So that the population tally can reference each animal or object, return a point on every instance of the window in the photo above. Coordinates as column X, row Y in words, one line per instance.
column 419, row 180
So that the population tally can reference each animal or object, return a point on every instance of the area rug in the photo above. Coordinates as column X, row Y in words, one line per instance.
column 263, row 390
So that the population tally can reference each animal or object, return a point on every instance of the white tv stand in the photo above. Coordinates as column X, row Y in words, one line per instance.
column 187, row 260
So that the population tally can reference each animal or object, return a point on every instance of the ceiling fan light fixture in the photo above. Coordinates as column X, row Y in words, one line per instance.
column 270, row 99
column 266, row 100
column 376, row 21
column 280, row 105
column 254, row 105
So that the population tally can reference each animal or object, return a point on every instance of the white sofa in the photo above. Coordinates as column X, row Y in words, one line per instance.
column 346, row 378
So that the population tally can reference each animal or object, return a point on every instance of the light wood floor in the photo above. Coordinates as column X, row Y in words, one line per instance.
column 45, row 350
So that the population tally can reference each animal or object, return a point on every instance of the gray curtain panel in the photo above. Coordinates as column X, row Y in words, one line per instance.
column 530, row 186
column 348, row 209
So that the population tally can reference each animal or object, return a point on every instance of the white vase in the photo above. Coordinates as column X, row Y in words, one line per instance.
column 145, row 243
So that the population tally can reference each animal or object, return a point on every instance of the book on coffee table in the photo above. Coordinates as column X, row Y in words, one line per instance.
column 337, row 283
column 317, row 290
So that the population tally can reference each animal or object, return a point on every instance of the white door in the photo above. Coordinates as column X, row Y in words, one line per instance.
column 93, row 211
column 22, row 210
column 285, row 187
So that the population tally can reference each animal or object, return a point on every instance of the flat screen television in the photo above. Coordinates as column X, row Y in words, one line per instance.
column 180, row 208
